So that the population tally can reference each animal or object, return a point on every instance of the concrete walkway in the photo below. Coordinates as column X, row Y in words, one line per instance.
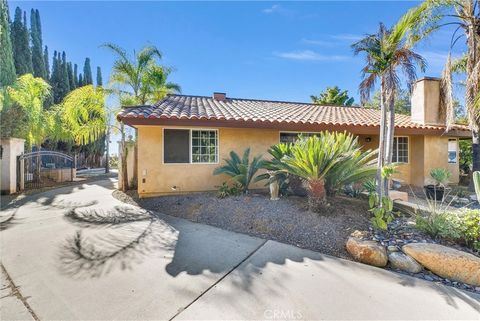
column 76, row 253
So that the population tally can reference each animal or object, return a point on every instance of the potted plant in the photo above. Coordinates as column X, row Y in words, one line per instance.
column 437, row 191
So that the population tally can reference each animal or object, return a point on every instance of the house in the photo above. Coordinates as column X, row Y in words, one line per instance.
column 182, row 139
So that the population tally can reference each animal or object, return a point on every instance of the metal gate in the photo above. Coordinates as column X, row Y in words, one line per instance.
column 44, row 168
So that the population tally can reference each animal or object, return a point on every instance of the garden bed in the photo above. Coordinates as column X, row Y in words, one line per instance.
column 287, row 220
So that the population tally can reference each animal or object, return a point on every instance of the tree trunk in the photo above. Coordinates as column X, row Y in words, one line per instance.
column 382, row 140
column 316, row 195
column 107, row 151
column 476, row 151
column 124, row 186
column 472, row 89
column 390, row 136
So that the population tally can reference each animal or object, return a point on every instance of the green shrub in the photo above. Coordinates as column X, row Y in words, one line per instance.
column 469, row 223
column 381, row 207
column 440, row 175
column 241, row 170
column 225, row 191
column 438, row 225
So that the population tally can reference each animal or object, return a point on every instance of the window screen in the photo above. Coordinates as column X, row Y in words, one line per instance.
column 400, row 150
column 452, row 151
column 176, row 146
column 293, row 137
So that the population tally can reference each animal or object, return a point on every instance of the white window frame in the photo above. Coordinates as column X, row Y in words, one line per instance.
column 190, row 146
column 408, row 150
column 456, row 150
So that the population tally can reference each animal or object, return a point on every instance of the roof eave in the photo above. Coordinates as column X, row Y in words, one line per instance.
column 287, row 126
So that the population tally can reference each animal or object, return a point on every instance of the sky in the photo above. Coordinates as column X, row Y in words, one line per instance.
column 264, row 50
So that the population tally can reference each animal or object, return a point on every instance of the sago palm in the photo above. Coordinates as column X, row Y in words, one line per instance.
column 387, row 53
column 465, row 15
column 311, row 159
column 241, row 170
column 358, row 167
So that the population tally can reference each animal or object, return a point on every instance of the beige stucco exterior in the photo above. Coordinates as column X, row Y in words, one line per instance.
column 157, row 178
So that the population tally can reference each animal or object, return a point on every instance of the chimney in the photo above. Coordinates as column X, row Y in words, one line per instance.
column 219, row 96
column 426, row 102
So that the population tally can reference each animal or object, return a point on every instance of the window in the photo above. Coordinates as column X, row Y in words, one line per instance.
column 452, row 151
column 400, row 150
column 204, row 146
column 190, row 146
column 292, row 137
column 176, row 145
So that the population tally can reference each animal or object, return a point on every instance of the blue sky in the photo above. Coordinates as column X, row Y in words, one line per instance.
column 266, row 50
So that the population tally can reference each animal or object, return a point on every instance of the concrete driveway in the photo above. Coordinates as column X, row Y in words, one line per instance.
column 76, row 253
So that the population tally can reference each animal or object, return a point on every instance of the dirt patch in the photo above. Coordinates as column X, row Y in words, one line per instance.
column 287, row 220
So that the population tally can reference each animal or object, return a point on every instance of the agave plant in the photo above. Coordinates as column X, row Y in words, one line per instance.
column 241, row 170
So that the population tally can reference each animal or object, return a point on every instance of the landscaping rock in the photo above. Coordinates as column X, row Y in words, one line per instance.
column 392, row 248
column 368, row 252
column 446, row 262
column 403, row 262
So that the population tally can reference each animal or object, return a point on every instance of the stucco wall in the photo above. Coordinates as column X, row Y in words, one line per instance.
column 436, row 155
column 156, row 178
column 12, row 147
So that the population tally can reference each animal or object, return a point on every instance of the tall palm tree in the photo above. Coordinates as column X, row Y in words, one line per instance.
column 139, row 80
column 465, row 14
column 388, row 52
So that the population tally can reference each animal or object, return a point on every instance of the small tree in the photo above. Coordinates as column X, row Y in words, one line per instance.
column 333, row 96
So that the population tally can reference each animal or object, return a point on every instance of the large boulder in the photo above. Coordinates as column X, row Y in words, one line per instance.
column 403, row 262
column 446, row 262
column 366, row 251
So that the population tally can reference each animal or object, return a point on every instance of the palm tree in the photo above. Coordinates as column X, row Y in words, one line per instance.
column 387, row 53
column 139, row 80
column 311, row 159
column 333, row 96
column 29, row 93
column 465, row 14
column 84, row 114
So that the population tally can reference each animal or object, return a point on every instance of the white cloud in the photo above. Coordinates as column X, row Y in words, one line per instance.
column 309, row 55
column 316, row 42
column 272, row 9
column 347, row 37
column 435, row 59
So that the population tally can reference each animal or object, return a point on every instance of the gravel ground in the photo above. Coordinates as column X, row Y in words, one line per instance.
column 287, row 220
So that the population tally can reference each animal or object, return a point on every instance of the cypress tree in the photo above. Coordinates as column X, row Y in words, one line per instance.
column 38, row 62
column 80, row 80
column 75, row 75
column 21, row 49
column 46, row 63
column 71, row 81
column 87, row 73
column 7, row 65
column 99, row 77
column 65, row 80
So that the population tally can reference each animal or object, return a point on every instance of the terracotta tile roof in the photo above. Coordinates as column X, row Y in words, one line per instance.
column 182, row 107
